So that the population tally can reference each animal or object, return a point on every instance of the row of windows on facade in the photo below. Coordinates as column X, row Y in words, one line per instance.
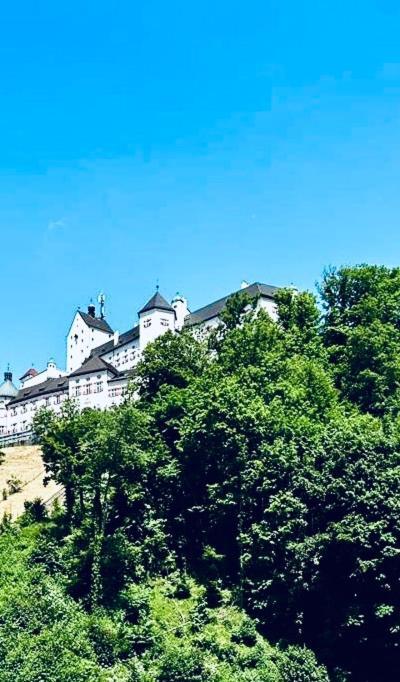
column 124, row 356
column 87, row 389
column 15, row 428
column 114, row 392
column 164, row 322
column 77, row 391
column 115, row 359
column 34, row 406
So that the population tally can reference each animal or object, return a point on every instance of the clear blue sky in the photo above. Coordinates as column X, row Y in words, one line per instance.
column 200, row 143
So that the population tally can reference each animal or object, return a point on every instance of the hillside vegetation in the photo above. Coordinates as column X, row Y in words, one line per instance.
column 239, row 521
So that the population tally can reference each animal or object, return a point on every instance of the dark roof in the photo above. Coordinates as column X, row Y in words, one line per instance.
column 126, row 374
column 94, row 364
column 56, row 385
column 108, row 346
column 31, row 372
column 96, row 322
column 157, row 301
column 214, row 309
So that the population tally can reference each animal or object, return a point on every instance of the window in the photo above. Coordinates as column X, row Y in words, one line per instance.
column 147, row 323
column 164, row 322
column 98, row 387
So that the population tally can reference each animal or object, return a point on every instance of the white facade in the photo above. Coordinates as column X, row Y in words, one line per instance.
column 51, row 372
column 98, row 360
column 20, row 412
column 86, row 332
column 90, row 390
column 153, row 324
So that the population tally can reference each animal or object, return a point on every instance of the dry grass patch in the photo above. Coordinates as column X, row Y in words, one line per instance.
column 23, row 467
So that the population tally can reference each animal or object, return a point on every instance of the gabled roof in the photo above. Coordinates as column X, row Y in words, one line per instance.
column 95, row 322
column 92, row 365
column 57, row 385
column 214, row 309
column 108, row 346
column 157, row 302
column 31, row 372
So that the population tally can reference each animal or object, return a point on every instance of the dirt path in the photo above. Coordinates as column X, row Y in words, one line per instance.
column 25, row 463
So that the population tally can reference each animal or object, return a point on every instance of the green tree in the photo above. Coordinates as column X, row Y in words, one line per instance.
column 362, row 333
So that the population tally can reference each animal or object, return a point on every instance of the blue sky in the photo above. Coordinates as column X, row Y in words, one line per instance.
column 195, row 143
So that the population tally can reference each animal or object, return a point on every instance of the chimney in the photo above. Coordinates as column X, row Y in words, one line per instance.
column 116, row 338
column 91, row 310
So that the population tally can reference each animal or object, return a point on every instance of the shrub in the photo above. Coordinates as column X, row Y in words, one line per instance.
column 35, row 511
column 182, row 664
column 14, row 485
column 300, row 665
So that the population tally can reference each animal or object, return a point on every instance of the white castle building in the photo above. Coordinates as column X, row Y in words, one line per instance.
column 99, row 360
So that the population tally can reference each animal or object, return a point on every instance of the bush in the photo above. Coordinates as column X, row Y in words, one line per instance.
column 182, row 664
column 14, row 485
column 35, row 511
column 246, row 633
column 300, row 665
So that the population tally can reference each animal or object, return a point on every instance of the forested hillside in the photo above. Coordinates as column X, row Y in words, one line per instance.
column 239, row 521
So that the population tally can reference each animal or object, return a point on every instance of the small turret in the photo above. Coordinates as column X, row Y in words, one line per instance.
column 179, row 304
column 7, row 389
column 52, row 371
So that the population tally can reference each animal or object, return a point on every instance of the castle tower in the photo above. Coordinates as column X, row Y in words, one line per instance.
column 155, row 318
column 7, row 388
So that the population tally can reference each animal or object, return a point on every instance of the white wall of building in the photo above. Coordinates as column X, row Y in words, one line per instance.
column 268, row 305
column 123, row 357
column 90, row 390
column 51, row 372
column 81, row 340
column 3, row 416
column 20, row 415
column 154, row 323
